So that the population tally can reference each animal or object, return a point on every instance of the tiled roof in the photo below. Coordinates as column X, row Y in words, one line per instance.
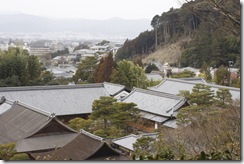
column 171, row 123
column 22, row 121
column 42, row 143
column 173, row 86
column 128, row 141
column 154, row 77
column 153, row 102
column 84, row 146
column 61, row 99
column 195, row 80
column 112, row 88
column 154, row 117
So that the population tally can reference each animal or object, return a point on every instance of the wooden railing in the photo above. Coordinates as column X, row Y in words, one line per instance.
column 142, row 127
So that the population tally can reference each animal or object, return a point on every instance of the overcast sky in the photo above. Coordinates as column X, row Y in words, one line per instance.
column 90, row 9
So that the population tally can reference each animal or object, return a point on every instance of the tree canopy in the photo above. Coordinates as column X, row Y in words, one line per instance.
column 109, row 119
column 208, row 31
column 18, row 68
column 85, row 70
column 129, row 74
column 184, row 74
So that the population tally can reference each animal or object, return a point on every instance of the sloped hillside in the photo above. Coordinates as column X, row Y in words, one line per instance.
column 167, row 54
column 214, row 33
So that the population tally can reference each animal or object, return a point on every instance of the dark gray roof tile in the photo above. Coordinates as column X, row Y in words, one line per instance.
column 22, row 121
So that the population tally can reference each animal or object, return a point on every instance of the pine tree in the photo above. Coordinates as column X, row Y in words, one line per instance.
column 201, row 95
column 103, row 109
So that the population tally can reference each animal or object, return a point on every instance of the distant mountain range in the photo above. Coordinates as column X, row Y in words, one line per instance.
column 15, row 23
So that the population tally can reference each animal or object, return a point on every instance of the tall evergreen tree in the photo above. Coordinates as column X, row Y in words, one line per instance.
column 201, row 95
column 103, row 109
column 85, row 70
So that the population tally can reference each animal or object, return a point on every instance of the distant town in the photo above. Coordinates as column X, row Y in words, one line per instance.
column 64, row 65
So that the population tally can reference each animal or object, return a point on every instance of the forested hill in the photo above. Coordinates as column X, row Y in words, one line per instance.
column 206, row 32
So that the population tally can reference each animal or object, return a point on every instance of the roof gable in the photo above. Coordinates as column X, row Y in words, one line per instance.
column 84, row 146
column 53, row 127
column 19, row 121
column 22, row 121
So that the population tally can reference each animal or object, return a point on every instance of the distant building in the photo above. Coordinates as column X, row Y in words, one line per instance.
column 155, row 76
column 40, row 50
column 57, row 47
column 174, row 86
column 156, row 108
column 196, row 71
column 85, row 51
column 115, row 48
column 159, row 66
column 63, row 70
column 100, row 49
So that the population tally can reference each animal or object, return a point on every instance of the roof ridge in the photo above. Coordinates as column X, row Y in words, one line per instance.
column 179, row 103
column 180, row 80
column 157, row 93
column 119, row 85
column 50, row 87
column 156, row 86
column 194, row 83
column 147, row 134
column 155, row 114
column 113, row 84
column 120, row 138
column 5, row 100
column 91, row 135
column 45, row 113
column 136, row 136
column 10, row 102
column 192, row 78
column 220, row 86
